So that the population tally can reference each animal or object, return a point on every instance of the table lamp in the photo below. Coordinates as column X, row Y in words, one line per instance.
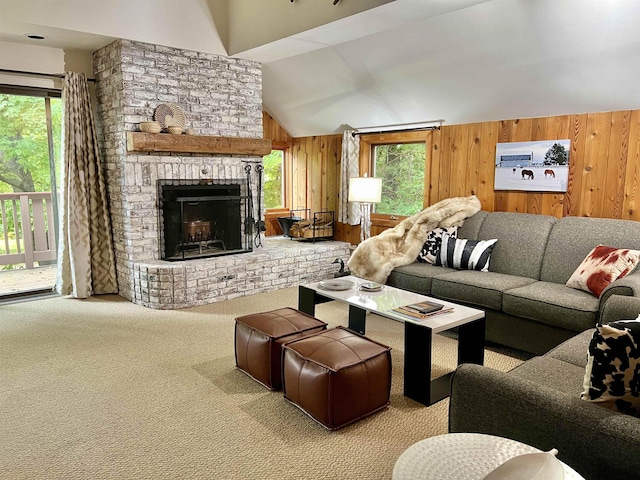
column 366, row 191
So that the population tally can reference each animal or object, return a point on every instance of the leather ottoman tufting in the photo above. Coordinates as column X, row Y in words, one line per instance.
column 259, row 338
column 337, row 377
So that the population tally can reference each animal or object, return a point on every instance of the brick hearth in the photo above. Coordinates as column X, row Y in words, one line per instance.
column 280, row 263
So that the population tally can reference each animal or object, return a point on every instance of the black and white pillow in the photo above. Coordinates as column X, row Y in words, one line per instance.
column 465, row 254
column 432, row 246
column 612, row 376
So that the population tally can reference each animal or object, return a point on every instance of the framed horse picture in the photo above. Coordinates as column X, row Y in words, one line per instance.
column 541, row 166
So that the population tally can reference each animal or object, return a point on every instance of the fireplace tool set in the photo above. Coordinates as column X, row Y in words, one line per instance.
column 250, row 221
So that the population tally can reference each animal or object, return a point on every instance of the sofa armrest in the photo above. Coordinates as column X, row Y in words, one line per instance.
column 620, row 307
column 588, row 437
column 628, row 285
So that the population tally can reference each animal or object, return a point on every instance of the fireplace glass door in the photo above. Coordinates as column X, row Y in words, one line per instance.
column 203, row 219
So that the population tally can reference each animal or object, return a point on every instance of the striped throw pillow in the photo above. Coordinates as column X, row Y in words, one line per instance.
column 465, row 254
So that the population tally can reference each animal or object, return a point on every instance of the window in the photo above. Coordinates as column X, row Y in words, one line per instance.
column 274, row 192
column 401, row 167
column 400, row 159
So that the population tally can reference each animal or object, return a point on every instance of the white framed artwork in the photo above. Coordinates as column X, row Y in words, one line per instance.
column 541, row 166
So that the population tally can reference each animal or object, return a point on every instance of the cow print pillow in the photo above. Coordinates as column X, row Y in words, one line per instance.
column 612, row 376
column 432, row 246
column 602, row 266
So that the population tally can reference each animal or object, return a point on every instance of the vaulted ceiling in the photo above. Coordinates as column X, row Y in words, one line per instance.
column 365, row 63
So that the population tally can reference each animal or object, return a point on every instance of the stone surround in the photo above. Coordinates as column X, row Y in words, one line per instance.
column 220, row 96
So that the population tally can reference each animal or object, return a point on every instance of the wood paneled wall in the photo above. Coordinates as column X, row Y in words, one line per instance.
column 273, row 130
column 312, row 175
column 604, row 164
column 604, row 167
column 316, row 172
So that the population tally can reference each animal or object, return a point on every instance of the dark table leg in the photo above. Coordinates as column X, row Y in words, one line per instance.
column 307, row 300
column 471, row 337
column 418, row 343
column 357, row 319
column 417, row 362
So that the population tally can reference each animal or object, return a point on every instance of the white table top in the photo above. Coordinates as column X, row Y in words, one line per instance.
column 461, row 456
column 384, row 301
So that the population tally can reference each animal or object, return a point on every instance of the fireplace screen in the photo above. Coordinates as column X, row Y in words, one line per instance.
column 200, row 219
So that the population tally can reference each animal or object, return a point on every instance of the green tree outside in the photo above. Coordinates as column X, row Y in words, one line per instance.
column 401, row 167
column 24, row 148
column 273, row 191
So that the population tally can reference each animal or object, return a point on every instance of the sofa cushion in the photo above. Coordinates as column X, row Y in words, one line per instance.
column 552, row 373
column 602, row 266
column 482, row 289
column 552, row 304
column 572, row 238
column 574, row 350
column 431, row 246
column 522, row 238
column 612, row 375
column 416, row 277
column 472, row 225
column 464, row 254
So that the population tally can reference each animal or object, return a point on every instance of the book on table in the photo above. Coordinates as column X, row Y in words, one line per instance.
column 422, row 310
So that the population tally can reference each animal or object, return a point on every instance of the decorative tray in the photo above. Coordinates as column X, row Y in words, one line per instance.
column 336, row 284
column 371, row 287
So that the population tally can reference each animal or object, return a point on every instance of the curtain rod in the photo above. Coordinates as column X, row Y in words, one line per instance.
column 417, row 129
column 38, row 74
column 440, row 121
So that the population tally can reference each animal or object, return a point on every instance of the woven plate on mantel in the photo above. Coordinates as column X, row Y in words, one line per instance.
column 169, row 115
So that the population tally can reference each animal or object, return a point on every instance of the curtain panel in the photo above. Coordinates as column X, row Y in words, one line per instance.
column 349, row 167
column 86, row 259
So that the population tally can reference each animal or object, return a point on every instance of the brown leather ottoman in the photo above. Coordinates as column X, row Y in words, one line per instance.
column 259, row 338
column 336, row 376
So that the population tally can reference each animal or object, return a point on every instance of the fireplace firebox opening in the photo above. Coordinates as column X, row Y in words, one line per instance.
column 203, row 218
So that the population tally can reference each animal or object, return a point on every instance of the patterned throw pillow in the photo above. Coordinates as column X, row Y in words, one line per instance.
column 465, row 254
column 432, row 246
column 612, row 376
column 602, row 266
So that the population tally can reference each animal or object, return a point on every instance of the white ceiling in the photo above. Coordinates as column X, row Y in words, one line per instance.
column 402, row 61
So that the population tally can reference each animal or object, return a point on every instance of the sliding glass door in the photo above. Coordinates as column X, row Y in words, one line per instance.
column 30, row 140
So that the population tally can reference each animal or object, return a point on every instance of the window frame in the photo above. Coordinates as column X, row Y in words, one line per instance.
column 366, row 159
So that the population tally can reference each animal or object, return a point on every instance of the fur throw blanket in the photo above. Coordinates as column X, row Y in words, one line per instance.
column 374, row 258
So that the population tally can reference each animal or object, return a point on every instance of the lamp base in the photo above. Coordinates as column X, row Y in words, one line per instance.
column 365, row 221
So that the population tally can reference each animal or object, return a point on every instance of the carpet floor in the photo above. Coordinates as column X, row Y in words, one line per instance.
column 105, row 389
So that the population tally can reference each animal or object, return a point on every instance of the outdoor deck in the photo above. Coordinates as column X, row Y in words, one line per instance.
column 24, row 280
column 27, row 240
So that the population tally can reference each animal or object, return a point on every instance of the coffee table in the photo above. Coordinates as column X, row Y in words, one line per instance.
column 418, row 334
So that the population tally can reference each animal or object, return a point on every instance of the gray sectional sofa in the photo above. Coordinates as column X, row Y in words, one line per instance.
column 539, row 403
column 527, row 304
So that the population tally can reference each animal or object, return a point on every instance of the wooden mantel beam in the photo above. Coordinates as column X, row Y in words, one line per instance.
column 166, row 142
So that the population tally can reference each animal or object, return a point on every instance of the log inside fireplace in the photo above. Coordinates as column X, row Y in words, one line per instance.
column 203, row 218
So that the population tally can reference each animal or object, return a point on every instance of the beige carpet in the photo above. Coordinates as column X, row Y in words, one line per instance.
column 104, row 389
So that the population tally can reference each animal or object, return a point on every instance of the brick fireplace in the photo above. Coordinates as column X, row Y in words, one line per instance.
column 220, row 96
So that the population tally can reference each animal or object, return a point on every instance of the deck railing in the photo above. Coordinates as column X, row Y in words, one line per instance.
column 27, row 228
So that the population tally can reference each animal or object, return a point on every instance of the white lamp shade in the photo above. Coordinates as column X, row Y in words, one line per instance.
column 365, row 189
